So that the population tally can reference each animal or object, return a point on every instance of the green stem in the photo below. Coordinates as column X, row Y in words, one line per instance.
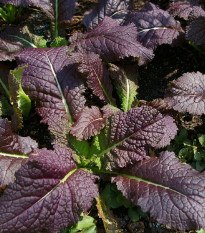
column 5, row 89
column 56, row 18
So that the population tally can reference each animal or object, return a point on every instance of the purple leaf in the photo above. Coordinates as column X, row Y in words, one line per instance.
column 89, row 123
column 155, row 26
column 8, row 166
column 112, row 42
column 66, row 8
column 116, row 9
column 96, row 74
column 172, row 192
column 185, row 9
column 15, row 39
column 13, row 143
column 127, row 135
column 13, row 152
column 160, row 104
column 186, row 94
column 52, row 82
column 48, row 194
column 169, row 132
column 10, row 44
column 195, row 32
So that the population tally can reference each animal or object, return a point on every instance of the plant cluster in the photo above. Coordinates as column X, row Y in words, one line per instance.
column 110, row 135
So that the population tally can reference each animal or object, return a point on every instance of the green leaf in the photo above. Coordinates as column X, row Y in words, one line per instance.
column 18, row 96
column 200, row 166
column 201, row 138
column 200, row 231
column 82, row 147
column 86, row 224
column 125, row 82
column 5, row 107
column 133, row 213
column 183, row 134
column 109, row 194
column 59, row 41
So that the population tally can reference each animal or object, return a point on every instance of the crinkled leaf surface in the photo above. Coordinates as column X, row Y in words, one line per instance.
column 159, row 104
column 50, row 79
column 89, row 123
column 14, row 39
column 112, row 42
column 96, row 74
column 186, row 94
column 13, row 152
column 155, row 26
column 116, row 9
column 20, row 101
column 172, row 192
column 185, row 9
column 48, row 195
column 195, row 32
column 125, row 82
column 126, row 136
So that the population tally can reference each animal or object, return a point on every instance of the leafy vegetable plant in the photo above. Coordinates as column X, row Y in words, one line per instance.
column 9, row 13
column 191, row 151
column 49, row 190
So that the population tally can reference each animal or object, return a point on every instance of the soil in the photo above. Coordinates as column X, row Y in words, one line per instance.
column 169, row 63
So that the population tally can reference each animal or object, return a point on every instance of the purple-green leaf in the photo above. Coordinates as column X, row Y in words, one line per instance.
column 172, row 192
column 125, row 79
column 112, row 42
column 116, row 9
column 186, row 94
column 49, row 194
column 155, row 26
column 126, row 136
column 50, row 79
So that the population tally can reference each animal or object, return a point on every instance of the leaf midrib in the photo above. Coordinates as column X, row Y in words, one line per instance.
column 60, row 90
column 118, row 143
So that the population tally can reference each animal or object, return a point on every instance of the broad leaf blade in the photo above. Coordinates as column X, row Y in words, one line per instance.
column 112, row 42
column 13, row 152
column 96, row 75
column 126, row 136
column 52, row 82
column 186, row 94
column 125, row 80
column 8, row 166
column 195, row 32
column 172, row 192
column 185, row 9
column 14, row 39
column 89, row 123
column 155, row 26
column 49, row 194
column 112, row 8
